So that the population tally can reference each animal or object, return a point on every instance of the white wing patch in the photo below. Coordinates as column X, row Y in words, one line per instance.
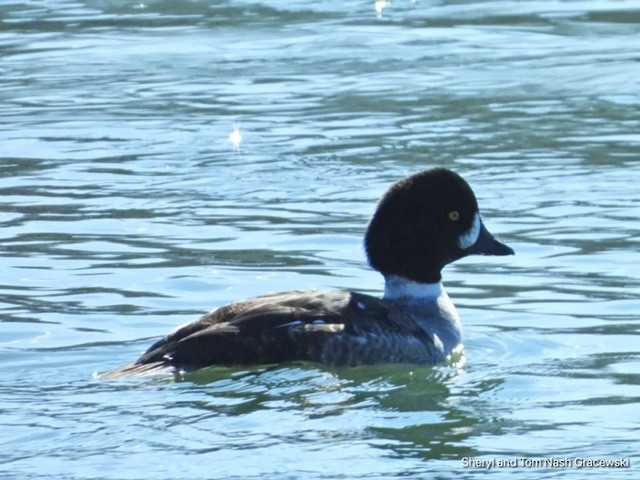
column 318, row 325
column 326, row 327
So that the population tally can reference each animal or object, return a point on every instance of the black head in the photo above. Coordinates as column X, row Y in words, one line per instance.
column 424, row 222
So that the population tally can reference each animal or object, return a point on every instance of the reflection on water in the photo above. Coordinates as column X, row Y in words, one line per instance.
column 159, row 159
column 380, row 5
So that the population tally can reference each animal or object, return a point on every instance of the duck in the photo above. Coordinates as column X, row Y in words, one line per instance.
column 421, row 224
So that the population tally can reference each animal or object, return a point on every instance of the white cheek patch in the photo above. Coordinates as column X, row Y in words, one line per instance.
column 470, row 237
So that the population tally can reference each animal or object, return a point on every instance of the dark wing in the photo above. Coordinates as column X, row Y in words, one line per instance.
column 273, row 328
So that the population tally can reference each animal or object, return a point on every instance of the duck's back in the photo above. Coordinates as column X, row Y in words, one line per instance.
column 330, row 327
column 271, row 328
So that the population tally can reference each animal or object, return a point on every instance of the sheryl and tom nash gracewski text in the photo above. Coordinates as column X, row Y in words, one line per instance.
column 549, row 462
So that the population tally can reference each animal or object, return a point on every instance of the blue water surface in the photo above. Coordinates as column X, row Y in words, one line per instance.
column 162, row 158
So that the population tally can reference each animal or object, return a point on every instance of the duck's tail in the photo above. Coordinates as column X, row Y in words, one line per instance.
column 137, row 370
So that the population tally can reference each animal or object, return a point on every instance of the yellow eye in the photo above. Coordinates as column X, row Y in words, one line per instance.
column 454, row 216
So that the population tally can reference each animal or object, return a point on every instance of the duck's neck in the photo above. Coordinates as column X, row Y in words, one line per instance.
column 424, row 307
column 396, row 287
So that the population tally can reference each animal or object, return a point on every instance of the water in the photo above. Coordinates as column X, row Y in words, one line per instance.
column 127, row 210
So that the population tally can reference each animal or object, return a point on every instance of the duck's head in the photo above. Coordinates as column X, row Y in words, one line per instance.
column 424, row 222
